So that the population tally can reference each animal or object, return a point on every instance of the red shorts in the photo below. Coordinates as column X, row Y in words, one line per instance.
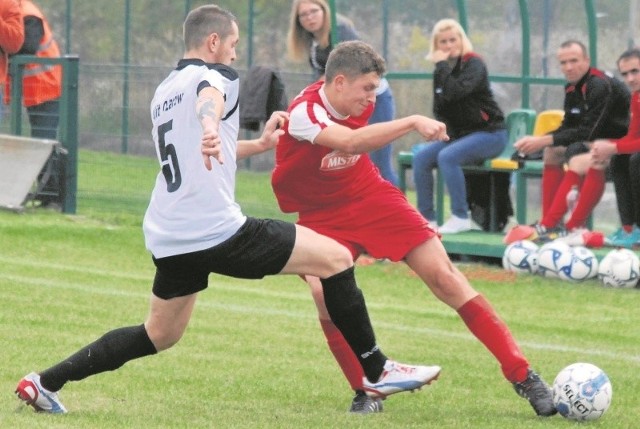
column 383, row 224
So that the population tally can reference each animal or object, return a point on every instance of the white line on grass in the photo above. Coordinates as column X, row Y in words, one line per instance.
column 18, row 281
column 222, row 283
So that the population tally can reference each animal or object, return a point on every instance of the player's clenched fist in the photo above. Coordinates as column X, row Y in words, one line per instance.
column 431, row 129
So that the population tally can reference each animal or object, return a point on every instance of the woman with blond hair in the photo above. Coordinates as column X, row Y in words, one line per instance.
column 463, row 100
column 310, row 38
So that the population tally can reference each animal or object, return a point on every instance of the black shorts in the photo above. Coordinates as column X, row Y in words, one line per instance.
column 260, row 247
column 577, row 148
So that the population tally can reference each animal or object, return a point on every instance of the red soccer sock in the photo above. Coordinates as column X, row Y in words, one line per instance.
column 485, row 324
column 343, row 354
column 551, row 177
column 590, row 194
column 556, row 211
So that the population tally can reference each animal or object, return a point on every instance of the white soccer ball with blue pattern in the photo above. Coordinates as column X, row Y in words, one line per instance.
column 582, row 391
column 521, row 257
column 619, row 268
column 553, row 257
column 583, row 266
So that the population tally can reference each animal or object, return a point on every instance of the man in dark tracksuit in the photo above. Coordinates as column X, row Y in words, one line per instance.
column 596, row 106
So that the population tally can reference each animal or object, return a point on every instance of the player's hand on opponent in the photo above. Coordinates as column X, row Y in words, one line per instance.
column 431, row 129
column 273, row 129
column 211, row 146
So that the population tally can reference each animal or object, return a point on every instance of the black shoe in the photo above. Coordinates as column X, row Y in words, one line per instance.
column 545, row 235
column 362, row 404
column 538, row 393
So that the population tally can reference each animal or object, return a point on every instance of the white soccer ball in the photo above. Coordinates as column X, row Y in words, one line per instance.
column 521, row 257
column 582, row 391
column 619, row 268
column 583, row 266
column 554, row 257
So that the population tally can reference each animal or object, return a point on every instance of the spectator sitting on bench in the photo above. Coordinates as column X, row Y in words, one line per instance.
column 625, row 169
column 596, row 106
column 463, row 100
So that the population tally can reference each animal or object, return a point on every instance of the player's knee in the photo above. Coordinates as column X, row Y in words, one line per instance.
column 341, row 259
column 164, row 339
column 449, row 285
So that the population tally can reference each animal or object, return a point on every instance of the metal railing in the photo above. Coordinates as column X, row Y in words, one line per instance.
column 68, row 124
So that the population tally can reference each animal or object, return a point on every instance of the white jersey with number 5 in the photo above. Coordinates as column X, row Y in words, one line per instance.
column 191, row 208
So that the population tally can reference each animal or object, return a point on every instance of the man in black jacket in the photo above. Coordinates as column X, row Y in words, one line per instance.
column 596, row 106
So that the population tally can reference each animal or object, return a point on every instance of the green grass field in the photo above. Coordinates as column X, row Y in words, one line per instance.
column 254, row 355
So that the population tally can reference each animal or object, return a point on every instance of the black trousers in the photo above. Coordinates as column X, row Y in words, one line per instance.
column 625, row 173
column 44, row 118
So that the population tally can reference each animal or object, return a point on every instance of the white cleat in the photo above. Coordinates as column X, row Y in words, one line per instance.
column 32, row 393
column 397, row 377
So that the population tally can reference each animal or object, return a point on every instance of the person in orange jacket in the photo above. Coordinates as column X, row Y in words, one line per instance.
column 11, row 35
column 41, row 83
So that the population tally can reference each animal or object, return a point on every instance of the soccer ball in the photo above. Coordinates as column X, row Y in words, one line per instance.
column 582, row 391
column 619, row 268
column 553, row 257
column 583, row 266
column 521, row 257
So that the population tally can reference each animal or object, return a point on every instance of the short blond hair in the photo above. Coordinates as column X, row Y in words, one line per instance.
column 446, row 25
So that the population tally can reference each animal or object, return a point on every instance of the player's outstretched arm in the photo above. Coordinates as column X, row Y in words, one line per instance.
column 269, row 138
column 374, row 136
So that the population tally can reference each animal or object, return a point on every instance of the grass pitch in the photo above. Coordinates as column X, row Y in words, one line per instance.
column 254, row 355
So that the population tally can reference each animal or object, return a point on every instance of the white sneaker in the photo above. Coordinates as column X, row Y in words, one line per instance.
column 397, row 377
column 574, row 238
column 454, row 225
column 32, row 393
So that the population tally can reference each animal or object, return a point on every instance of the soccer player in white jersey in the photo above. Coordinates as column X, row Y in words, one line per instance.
column 194, row 227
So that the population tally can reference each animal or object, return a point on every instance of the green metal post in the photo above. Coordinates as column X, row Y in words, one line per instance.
column 334, row 22
column 125, row 84
column 521, row 182
column 593, row 31
column 462, row 14
column 67, row 28
column 250, row 30
column 526, row 53
column 17, row 71
column 250, row 34
column 385, row 27
column 68, row 134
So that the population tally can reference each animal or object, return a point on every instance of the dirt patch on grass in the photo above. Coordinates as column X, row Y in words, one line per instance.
column 487, row 273
column 475, row 271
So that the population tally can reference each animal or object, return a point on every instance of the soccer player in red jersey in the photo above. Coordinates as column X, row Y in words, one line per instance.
column 323, row 173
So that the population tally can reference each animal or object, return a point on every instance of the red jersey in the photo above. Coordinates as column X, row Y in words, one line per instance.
column 307, row 176
column 339, row 195
column 631, row 142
